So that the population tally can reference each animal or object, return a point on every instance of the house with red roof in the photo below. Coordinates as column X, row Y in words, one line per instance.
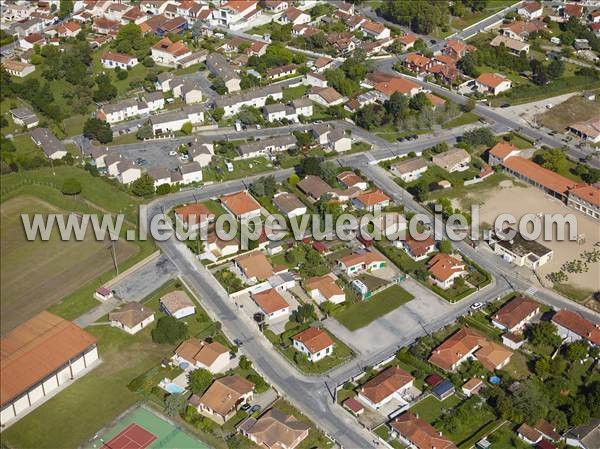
column 392, row 383
column 168, row 53
column 371, row 201
column 358, row 262
column 416, row 62
column 416, row 433
column 374, row 30
column 271, row 303
column 501, row 151
column 586, row 199
column 531, row 10
column 572, row 327
column 315, row 343
column 294, row 16
column 397, row 84
column 417, row 249
column 444, row 269
column 516, row 314
column 492, row 83
column 111, row 60
column 241, row 205
column 193, row 216
column 235, row 13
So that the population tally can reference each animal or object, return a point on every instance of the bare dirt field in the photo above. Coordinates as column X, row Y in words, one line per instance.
column 575, row 109
column 35, row 275
column 519, row 200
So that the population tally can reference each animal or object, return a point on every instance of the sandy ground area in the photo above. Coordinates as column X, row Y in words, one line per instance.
column 526, row 112
column 519, row 200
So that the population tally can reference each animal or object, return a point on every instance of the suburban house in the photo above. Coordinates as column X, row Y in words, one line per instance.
column 372, row 201
column 393, row 225
column 324, row 288
column 515, row 46
column 445, row 269
column 177, row 304
column 409, row 170
column 191, row 172
column 289, row 204
column 531, row 10
column 40, row 356
column 417, row 63
column 224, row 398
column 417, row 433
column 322, row 63
column 173, row 121
column 468, row 344
column 522, row 252
column 500, row 152
column 16, row 68
column 282, row 71
column 131, row 318
column 255, row 97
column 122, row 110
column 396, row 84
column 221, row 68
column 456, row 49
column 168, row 53
column 194, row 216
column 572, row 327
column 452, row 160
column 326, row 96
column 254, row 266
column 24, row 116
column 315, row 79
column 271, row 303
column 516, row 314
column 235, row 13
column 111, row 60
column 472, row 386
column 241, row 205
column 374, row 30
column 32, row 40
column 521, row 30
column 291, row 112
column 213, row 356
column 339, row 141
column 407, row 41
column 47, row 141
column 584, row 436
column 417, row 249
column 315, row 343
column 216, row 248
column 529, row 434
column 350, row 179
column 275, row 430
column 276, row 6
column 358, row 262
column 392, row 383
column 267, row 147
column 294, row 16
column 492, row 83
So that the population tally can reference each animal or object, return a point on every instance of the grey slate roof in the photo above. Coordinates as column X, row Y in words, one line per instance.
column 47, row 141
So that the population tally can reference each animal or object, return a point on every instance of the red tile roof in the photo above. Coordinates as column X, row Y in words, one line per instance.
column 385, row 384
column 195, row 211
column 314, row 339
column 492, row 80
column 240, row 203
column 401, row 85
column 502, row 149
column 591, row 194
column 420, row 433
column 418, row 248
column 373, row 198
column 515, row 311
column 579, row 325
column 442, row 266
column 36, row 349
column 539, row 174
column 270, row 301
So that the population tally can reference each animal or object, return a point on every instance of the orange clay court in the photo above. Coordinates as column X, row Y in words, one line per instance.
column 133, row 436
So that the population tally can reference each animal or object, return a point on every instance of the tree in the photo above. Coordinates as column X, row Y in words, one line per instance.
column 310, row 166
column 294, row 179
column 445, row 246
column 122, row 74
column 199, row 380
column 304, row 313
column 552, row 158
column 144, row 132
column 97, row 129
column 218, row 114
column 175, row 404
column 105, row 90
column 143, row 186
column 245, row 363
column 163, row 189
column 71, row 186
column 556, row 68
column 543, row 333
column 187, row 128
column 328, row 172
column 479, row 136
column 65, row 8
column 542, row 367
column 169, row 330
column 419, row 101
column 577, row 351
column 304, row 139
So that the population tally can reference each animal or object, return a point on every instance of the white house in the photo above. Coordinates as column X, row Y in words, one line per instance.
column 272, row 304
column 173, row 121
column 445, row 269
column 213, row 357
column 235, row 13
column 111, row 60
column 177, row 304
column 289, row 204
column 255, row 97
column 128, row 172
column 392, row 383
column 516, row 314
column 409, row 170
column 131, row 318
column 315, row 343
column 191, row 172
column 572, row 327
column 531, row 10
column 372, row 201
column 241, row 205
column 168, row 53
column 24, row 116
column 492, row 83
column 294, row 16
column 324, row 288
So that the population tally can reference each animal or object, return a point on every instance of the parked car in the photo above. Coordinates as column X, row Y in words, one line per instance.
column 184, row 157
column 245, row 407
column 238, row 342
column 172, row 153
column 255, row 408
column 476, row 306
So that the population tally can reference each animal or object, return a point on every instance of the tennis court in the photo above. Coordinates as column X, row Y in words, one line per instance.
column 141, row 429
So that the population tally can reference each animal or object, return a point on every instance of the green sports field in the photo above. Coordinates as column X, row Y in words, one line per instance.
column 167, row 435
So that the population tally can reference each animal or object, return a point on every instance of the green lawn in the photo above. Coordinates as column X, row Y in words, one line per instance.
column 400, row 258
column 573, row 292
column 293, row 93
column 360, row 314
column 465, row 118
column 241, row 169
column 430, row 408
column 505, row 437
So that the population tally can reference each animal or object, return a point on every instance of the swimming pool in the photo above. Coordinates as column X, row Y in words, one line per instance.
column 174, row 388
